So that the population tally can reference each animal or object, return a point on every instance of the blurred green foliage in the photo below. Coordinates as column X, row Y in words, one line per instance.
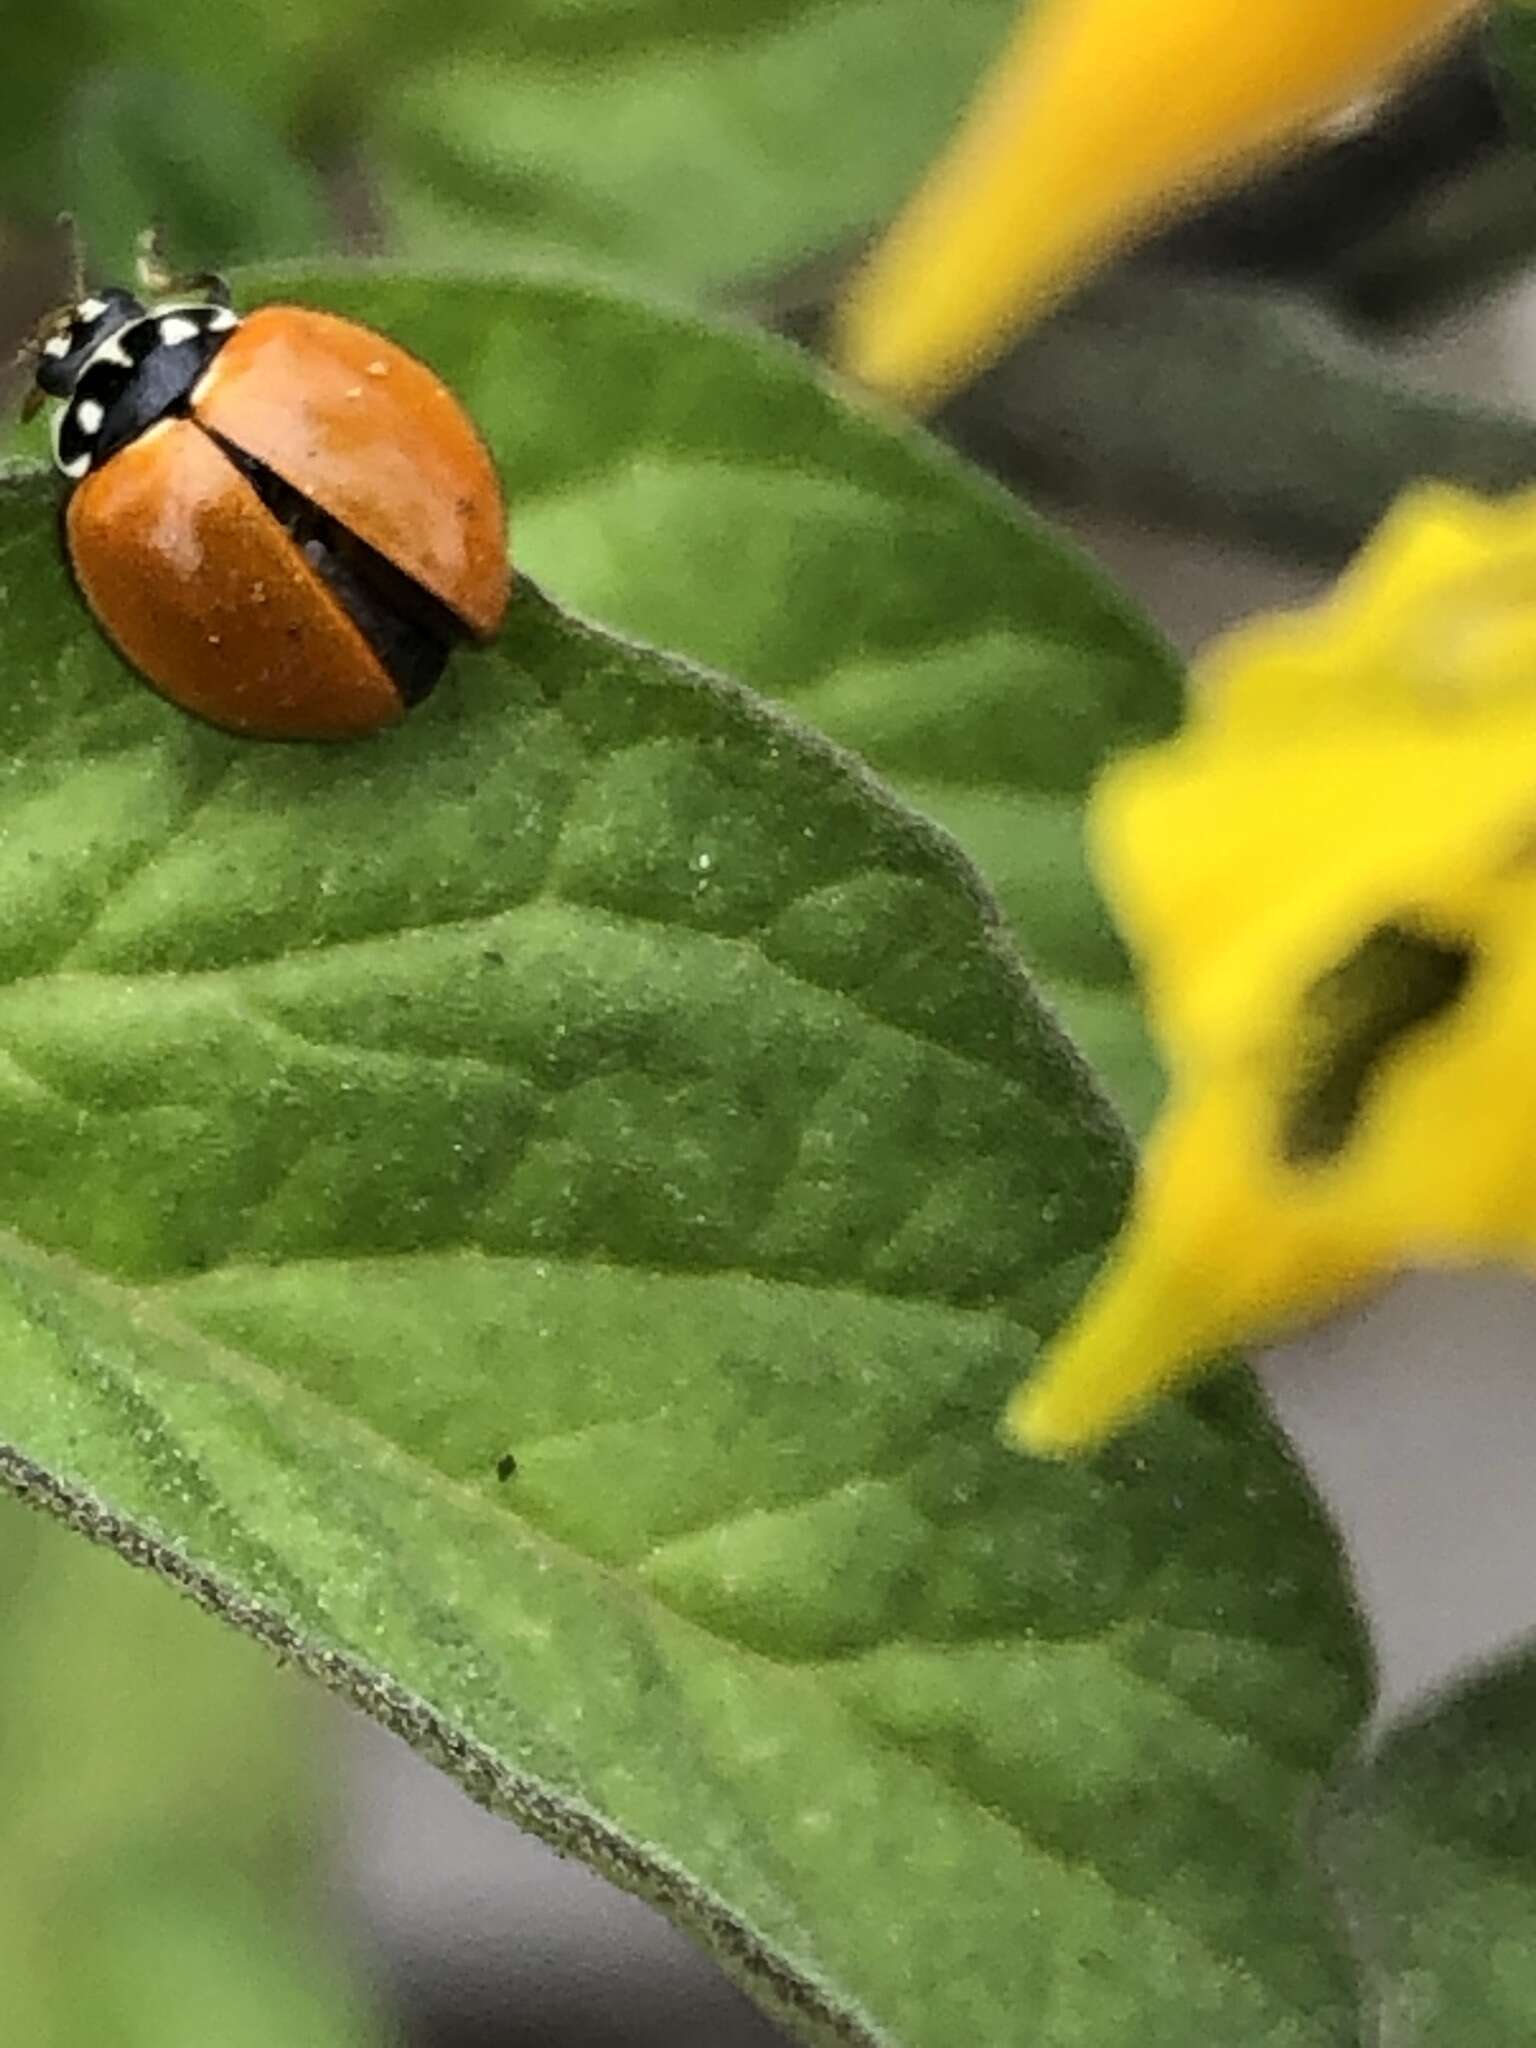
column 158, row 1820
column 139, row 149
column 1431, row 1840
column 696, row 144
column 1512, row 38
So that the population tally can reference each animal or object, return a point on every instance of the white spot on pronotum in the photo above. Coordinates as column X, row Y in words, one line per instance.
column 78, row 467
column 113, row 352
column 88, row 416
column 1358, row 117
column 221, row 319
column 174, row 330
column 56, row 345
column 90, row 309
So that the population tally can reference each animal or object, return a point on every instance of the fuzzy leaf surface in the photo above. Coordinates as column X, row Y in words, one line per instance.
column 606, row 1071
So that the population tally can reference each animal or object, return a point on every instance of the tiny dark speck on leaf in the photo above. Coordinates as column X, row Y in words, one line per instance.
column 506, row 1466
column 493, row 958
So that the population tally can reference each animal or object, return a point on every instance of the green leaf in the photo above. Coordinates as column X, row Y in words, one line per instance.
column 159, row 1877
column 605, row 1070
column 1432, row 1840
column 693, row 145
column 696, row 487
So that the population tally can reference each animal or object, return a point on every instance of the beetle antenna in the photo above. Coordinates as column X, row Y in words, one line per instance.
column 71, row 226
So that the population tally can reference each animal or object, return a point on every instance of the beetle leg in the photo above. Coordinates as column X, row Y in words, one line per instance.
column 56, row 322
column 158, row 279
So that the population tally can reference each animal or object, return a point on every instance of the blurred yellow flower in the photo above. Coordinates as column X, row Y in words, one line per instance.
column 1099, row 116
column 1329, row 878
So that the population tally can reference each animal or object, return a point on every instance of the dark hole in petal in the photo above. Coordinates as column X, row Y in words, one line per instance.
column 410, row 631
column 1354, row 1017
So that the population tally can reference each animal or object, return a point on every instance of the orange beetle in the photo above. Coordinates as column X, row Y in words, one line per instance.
column 284, row 522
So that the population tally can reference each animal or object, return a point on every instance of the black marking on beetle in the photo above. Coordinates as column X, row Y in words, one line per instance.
column 411, row 631
column 1355, row 1017
column 93, row 321
column 136, row 372
column 506, row 1466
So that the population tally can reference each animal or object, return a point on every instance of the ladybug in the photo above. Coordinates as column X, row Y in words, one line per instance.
column 283, row 521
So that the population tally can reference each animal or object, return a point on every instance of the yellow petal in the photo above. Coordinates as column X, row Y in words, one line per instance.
column 1330, row 880
column 1336, row 761
column 1434, row 617
column 1213, row 1254
column 1100, row 115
